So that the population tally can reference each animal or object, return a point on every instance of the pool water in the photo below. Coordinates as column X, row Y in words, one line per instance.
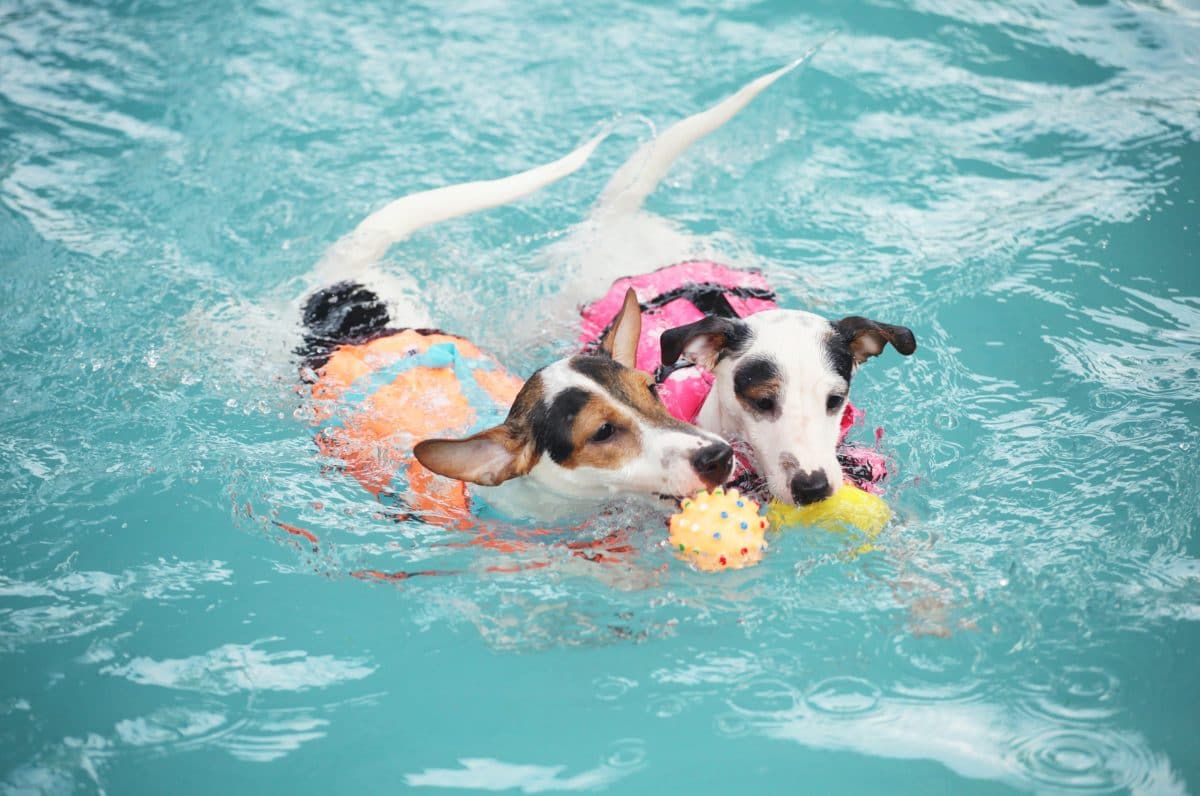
column 1017, row 182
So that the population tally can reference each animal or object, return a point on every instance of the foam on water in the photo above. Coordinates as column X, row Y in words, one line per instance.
column 1017, row 182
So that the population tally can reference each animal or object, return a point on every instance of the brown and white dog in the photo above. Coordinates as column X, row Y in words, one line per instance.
column 589, row 426
column 584, row 428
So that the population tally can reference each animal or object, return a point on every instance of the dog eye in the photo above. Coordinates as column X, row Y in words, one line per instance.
column 834, row 402
column 765, row 404
column 604, row 432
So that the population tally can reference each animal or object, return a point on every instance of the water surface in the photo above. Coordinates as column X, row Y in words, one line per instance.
column 1017, row 182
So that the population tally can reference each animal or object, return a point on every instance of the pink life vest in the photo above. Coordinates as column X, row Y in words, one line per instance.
column 686, row 292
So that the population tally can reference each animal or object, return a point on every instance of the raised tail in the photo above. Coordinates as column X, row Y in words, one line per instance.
column 640, row 175
column 370, row 240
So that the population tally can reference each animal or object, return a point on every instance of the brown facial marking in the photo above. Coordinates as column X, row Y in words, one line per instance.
column 633, row 388
column 620, row 445
column 758, row 385
column 788, row 463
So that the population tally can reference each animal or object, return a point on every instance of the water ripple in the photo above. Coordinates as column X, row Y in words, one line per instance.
column 1015, row 181
column 1090, row 761
column 844, row 696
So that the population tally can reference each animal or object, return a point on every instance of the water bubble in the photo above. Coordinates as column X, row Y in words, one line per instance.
column 731, row 725
column 1107, row 400
column 1085, row 760
column 946, row 422
column 669, row 706
column 1077, row 693
column 612, row 688
column 626, row 753
column 844, row 696
column 1080, row 447
column 765, row 697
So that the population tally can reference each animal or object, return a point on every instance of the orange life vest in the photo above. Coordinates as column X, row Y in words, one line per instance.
column 376, row 400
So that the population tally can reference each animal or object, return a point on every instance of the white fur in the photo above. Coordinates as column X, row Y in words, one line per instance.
column 355, row 255
column 804, row 430
column 663, row 466
column 618, row 238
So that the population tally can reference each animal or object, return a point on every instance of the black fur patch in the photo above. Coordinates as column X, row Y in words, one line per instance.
column 850, row 329
column 551, row 423
column 342, row 313
column 608, row 375
column 837, row 347
column 729, row 336
column 603, row 370
column 756, row 382
column 754, row 370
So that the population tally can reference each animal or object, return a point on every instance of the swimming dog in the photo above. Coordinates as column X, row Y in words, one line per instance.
column 590, row 426
column 780, row 378
column 581, row 429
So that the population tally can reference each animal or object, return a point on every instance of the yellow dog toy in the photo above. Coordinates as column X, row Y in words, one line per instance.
column 849, row 507
column 722, row 529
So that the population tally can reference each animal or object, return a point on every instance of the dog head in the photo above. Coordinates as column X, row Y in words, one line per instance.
column 590, row 426
column 782, row 380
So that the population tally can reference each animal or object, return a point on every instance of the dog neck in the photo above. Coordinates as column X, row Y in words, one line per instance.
column 525, row 499
column 710, row 417
column 528, row 500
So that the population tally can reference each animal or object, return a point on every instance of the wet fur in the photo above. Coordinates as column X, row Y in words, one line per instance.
column 799, row 359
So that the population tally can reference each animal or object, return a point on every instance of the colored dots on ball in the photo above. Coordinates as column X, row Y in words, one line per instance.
column 730, row 536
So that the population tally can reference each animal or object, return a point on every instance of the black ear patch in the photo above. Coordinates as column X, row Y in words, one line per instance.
column 705, row 341
column 865, row 338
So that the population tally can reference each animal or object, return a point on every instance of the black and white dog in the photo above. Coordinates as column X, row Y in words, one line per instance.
column 781, row 377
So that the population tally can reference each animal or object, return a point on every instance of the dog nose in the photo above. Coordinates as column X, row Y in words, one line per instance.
column 810, row 487
column 713, row 463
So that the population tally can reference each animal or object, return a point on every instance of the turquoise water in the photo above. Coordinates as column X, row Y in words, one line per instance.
column 1015, row 181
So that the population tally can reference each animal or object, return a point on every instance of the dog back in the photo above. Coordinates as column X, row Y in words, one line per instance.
column 374, row 400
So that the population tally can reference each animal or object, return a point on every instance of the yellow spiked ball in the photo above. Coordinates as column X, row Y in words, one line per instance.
column 718, row 530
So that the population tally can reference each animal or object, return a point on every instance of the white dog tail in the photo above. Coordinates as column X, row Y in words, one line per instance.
column 371, row 239
column 640, row 175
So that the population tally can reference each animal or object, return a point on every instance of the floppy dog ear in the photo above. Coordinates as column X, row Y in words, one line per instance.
column 702, row 342
column 621, row 341
column 488, row 458
column 866, row 338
